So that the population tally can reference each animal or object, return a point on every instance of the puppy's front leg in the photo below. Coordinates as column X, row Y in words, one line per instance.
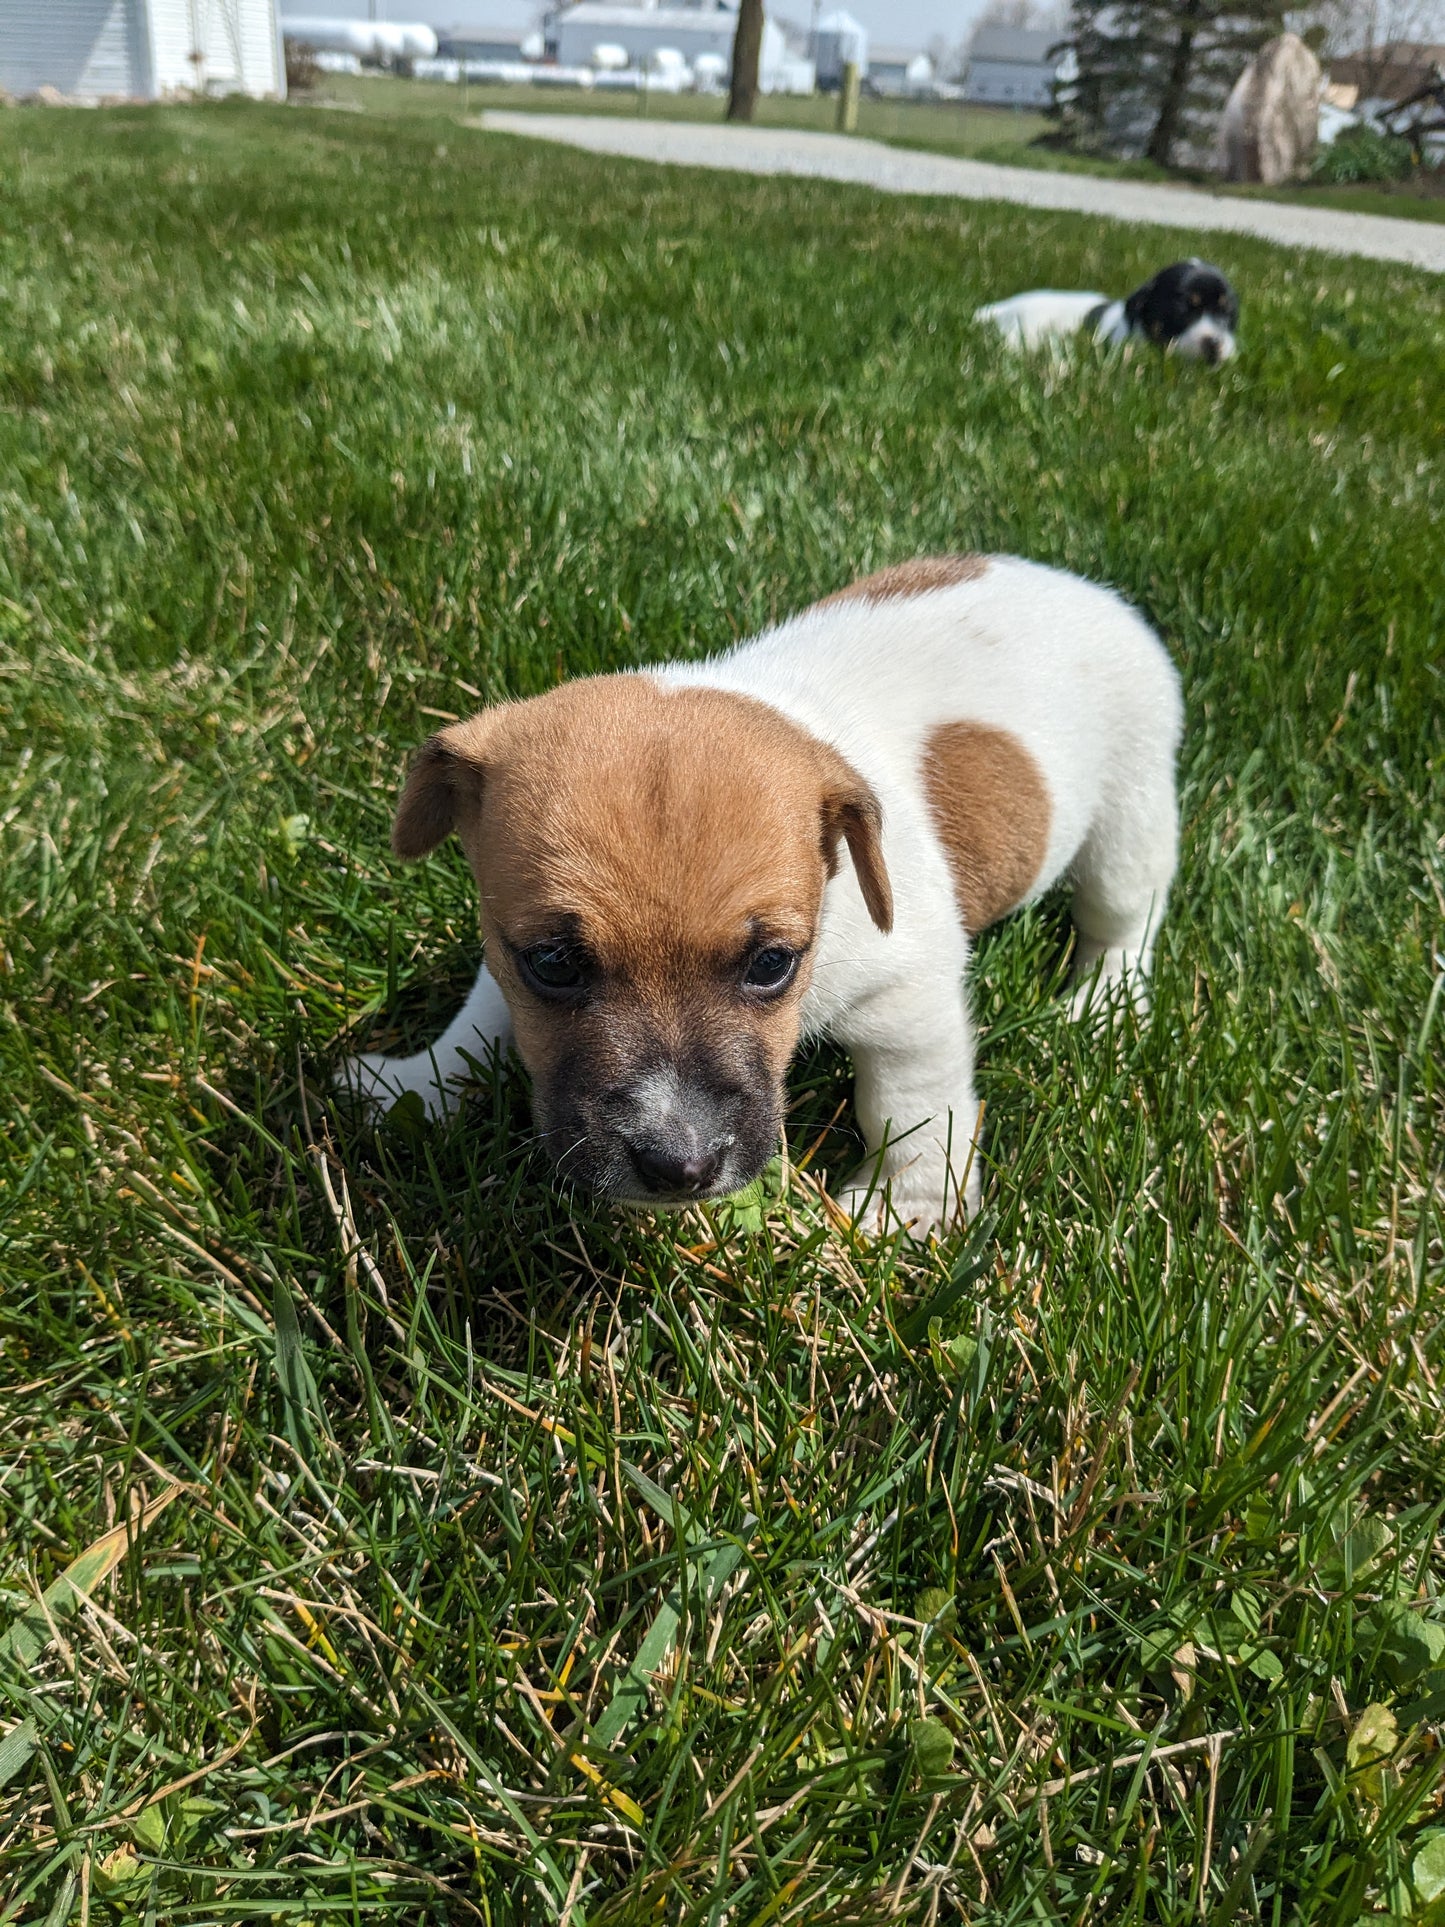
column 915, row 1102
column 482, row 1023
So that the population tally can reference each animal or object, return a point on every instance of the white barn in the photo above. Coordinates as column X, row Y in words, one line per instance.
column 90, row 50
column 899, row 71
column 1011, row 66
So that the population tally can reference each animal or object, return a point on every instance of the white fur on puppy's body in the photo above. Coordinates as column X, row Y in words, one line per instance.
column 1086, row 689
column 1187, row 309
column 1050, row 314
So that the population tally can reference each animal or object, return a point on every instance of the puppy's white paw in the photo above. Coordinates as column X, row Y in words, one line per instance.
column 921, row 1200
column 1110, row 977
column 380, row 1082
column 1090, row 996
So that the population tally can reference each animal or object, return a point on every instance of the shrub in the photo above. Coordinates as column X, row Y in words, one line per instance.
column 1362, row 154
column 301, row 69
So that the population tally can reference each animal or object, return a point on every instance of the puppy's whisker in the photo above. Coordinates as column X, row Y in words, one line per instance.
column 571, row 1151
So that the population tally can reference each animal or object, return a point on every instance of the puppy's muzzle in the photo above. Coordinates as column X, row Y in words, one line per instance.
column 1207, row 340
column 679, row 1164
column 670, row 1136
column 679, row 1134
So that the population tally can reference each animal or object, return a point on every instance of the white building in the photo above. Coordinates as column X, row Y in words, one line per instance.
column 573, row 33
column 897, row 71
column 838, row 39
column 1011, row 67
column 93, row 50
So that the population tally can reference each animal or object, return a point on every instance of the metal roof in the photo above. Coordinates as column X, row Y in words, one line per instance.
column 1022, row 45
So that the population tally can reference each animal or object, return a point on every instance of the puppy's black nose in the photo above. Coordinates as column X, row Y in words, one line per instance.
column 1210, row 349
column 674, row 1170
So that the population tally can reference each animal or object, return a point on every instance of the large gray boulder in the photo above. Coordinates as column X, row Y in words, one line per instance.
column 1270, row 124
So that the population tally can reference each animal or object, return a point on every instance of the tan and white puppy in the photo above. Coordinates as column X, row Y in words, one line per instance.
column 683, row 869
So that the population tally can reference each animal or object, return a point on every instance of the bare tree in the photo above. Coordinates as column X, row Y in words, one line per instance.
column 1368, row 27
column 1023, row 13
column 747, row 53
column 1375, row 34
column 949, row 57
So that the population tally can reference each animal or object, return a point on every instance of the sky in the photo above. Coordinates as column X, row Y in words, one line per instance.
column 913, row 23
column 892, row 23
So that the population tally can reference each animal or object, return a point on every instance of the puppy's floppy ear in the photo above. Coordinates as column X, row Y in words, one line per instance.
column 445, row 780
column 1139, row 300
column 851, row 814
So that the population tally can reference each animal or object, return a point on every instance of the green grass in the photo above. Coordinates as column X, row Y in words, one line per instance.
column 943, row 127
column 1004, row 135
column 1420, row 199
column 530, row 1565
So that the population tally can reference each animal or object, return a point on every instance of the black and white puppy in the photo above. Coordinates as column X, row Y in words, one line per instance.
column 1188, row 309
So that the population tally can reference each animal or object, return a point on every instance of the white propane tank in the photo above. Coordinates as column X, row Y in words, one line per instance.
column 382, row 40
column 331, row 36
column 403, row 40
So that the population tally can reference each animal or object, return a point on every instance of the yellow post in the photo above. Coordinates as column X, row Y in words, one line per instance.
column 848, row 99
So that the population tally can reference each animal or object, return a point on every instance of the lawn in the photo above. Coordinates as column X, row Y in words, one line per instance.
column 945, row 127
column 1004, row 135
column 447, row 1554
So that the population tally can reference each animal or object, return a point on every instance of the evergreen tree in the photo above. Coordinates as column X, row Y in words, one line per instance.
column 1153, row 75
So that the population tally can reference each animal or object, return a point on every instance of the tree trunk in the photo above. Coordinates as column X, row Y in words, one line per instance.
column 747, row 51
column 1176, row 89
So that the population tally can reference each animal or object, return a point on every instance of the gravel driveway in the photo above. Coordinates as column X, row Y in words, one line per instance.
column 892, row 170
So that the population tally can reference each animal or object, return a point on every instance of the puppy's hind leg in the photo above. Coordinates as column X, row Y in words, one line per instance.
column 434, row 1074
column 1121, row 881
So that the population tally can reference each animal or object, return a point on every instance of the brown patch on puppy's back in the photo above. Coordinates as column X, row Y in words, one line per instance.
column 921, row 576
column 991, row 808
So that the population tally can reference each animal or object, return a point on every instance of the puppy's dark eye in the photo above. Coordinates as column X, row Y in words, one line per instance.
column 553, row 966
column 771, row 970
